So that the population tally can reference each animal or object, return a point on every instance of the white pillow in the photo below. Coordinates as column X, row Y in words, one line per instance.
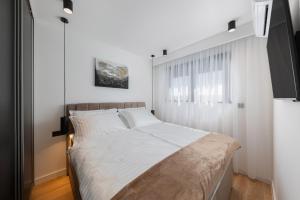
column 103, row 123
column 88, row 112
column 124, row 120
column 138, row 117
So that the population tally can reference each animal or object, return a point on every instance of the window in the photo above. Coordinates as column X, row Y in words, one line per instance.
column 203, row 80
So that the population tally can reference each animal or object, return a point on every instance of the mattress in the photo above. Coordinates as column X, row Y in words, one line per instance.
column 106, row 163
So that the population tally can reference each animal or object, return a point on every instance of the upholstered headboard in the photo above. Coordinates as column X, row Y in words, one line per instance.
column 100, row 106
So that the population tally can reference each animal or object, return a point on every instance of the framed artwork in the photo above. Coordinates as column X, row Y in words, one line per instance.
column 109, row 74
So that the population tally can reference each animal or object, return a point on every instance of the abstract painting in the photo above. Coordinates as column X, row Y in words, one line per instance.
column 108, row 74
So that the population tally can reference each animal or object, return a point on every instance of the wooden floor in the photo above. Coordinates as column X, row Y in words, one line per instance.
column 57, row 189
column 243, row 188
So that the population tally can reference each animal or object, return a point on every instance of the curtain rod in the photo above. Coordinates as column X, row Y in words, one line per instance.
column 203, row 49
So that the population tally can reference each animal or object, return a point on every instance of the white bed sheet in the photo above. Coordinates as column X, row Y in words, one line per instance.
column 175, row 134
column 106, row 163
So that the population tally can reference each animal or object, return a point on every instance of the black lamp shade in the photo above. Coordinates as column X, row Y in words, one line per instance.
column 231, row 26
column 165, row 52
column 68, row 6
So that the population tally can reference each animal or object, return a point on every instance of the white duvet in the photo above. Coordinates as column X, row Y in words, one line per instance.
column 175, row 134
column 105, row 163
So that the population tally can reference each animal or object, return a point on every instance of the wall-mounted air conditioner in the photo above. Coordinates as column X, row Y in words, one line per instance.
column 261, row 17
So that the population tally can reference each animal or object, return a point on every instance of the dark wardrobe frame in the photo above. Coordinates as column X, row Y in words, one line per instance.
column 16, row 100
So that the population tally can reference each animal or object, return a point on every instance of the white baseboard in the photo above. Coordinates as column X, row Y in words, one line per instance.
column 274, row 196
column 50, row 176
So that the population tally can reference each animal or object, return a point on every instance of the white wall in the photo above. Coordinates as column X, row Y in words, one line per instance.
column 81, row 51
column 286, row 149
column 286, row 139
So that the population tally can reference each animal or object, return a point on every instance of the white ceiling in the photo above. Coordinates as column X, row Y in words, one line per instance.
column 147, row 26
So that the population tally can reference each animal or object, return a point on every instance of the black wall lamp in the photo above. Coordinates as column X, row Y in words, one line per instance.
column 63, row 120
column 152, row 107
column 231, row 26
column 68, row 6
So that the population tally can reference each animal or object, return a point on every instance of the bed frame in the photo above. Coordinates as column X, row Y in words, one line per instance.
column 221, row 192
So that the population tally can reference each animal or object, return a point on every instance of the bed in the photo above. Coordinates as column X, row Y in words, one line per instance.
column 110, row 166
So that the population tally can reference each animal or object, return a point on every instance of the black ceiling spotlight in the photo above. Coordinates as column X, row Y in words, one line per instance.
column 68, row 6
column 165, row 52
column 231, row 26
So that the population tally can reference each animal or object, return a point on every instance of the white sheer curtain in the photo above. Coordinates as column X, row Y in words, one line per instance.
column 225, row 89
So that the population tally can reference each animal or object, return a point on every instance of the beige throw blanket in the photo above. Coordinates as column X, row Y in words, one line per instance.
column 189, row 174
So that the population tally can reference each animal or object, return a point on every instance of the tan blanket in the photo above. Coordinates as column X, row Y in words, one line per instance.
column 189, row 174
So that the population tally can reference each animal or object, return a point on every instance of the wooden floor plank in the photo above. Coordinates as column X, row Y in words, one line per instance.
column 50, row 186
column 57, row 189
column 243, row 188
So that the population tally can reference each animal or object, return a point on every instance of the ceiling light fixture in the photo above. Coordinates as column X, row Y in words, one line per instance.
column 231, row 26
column 63, row 120
column 165, row 52
column 68, row 6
